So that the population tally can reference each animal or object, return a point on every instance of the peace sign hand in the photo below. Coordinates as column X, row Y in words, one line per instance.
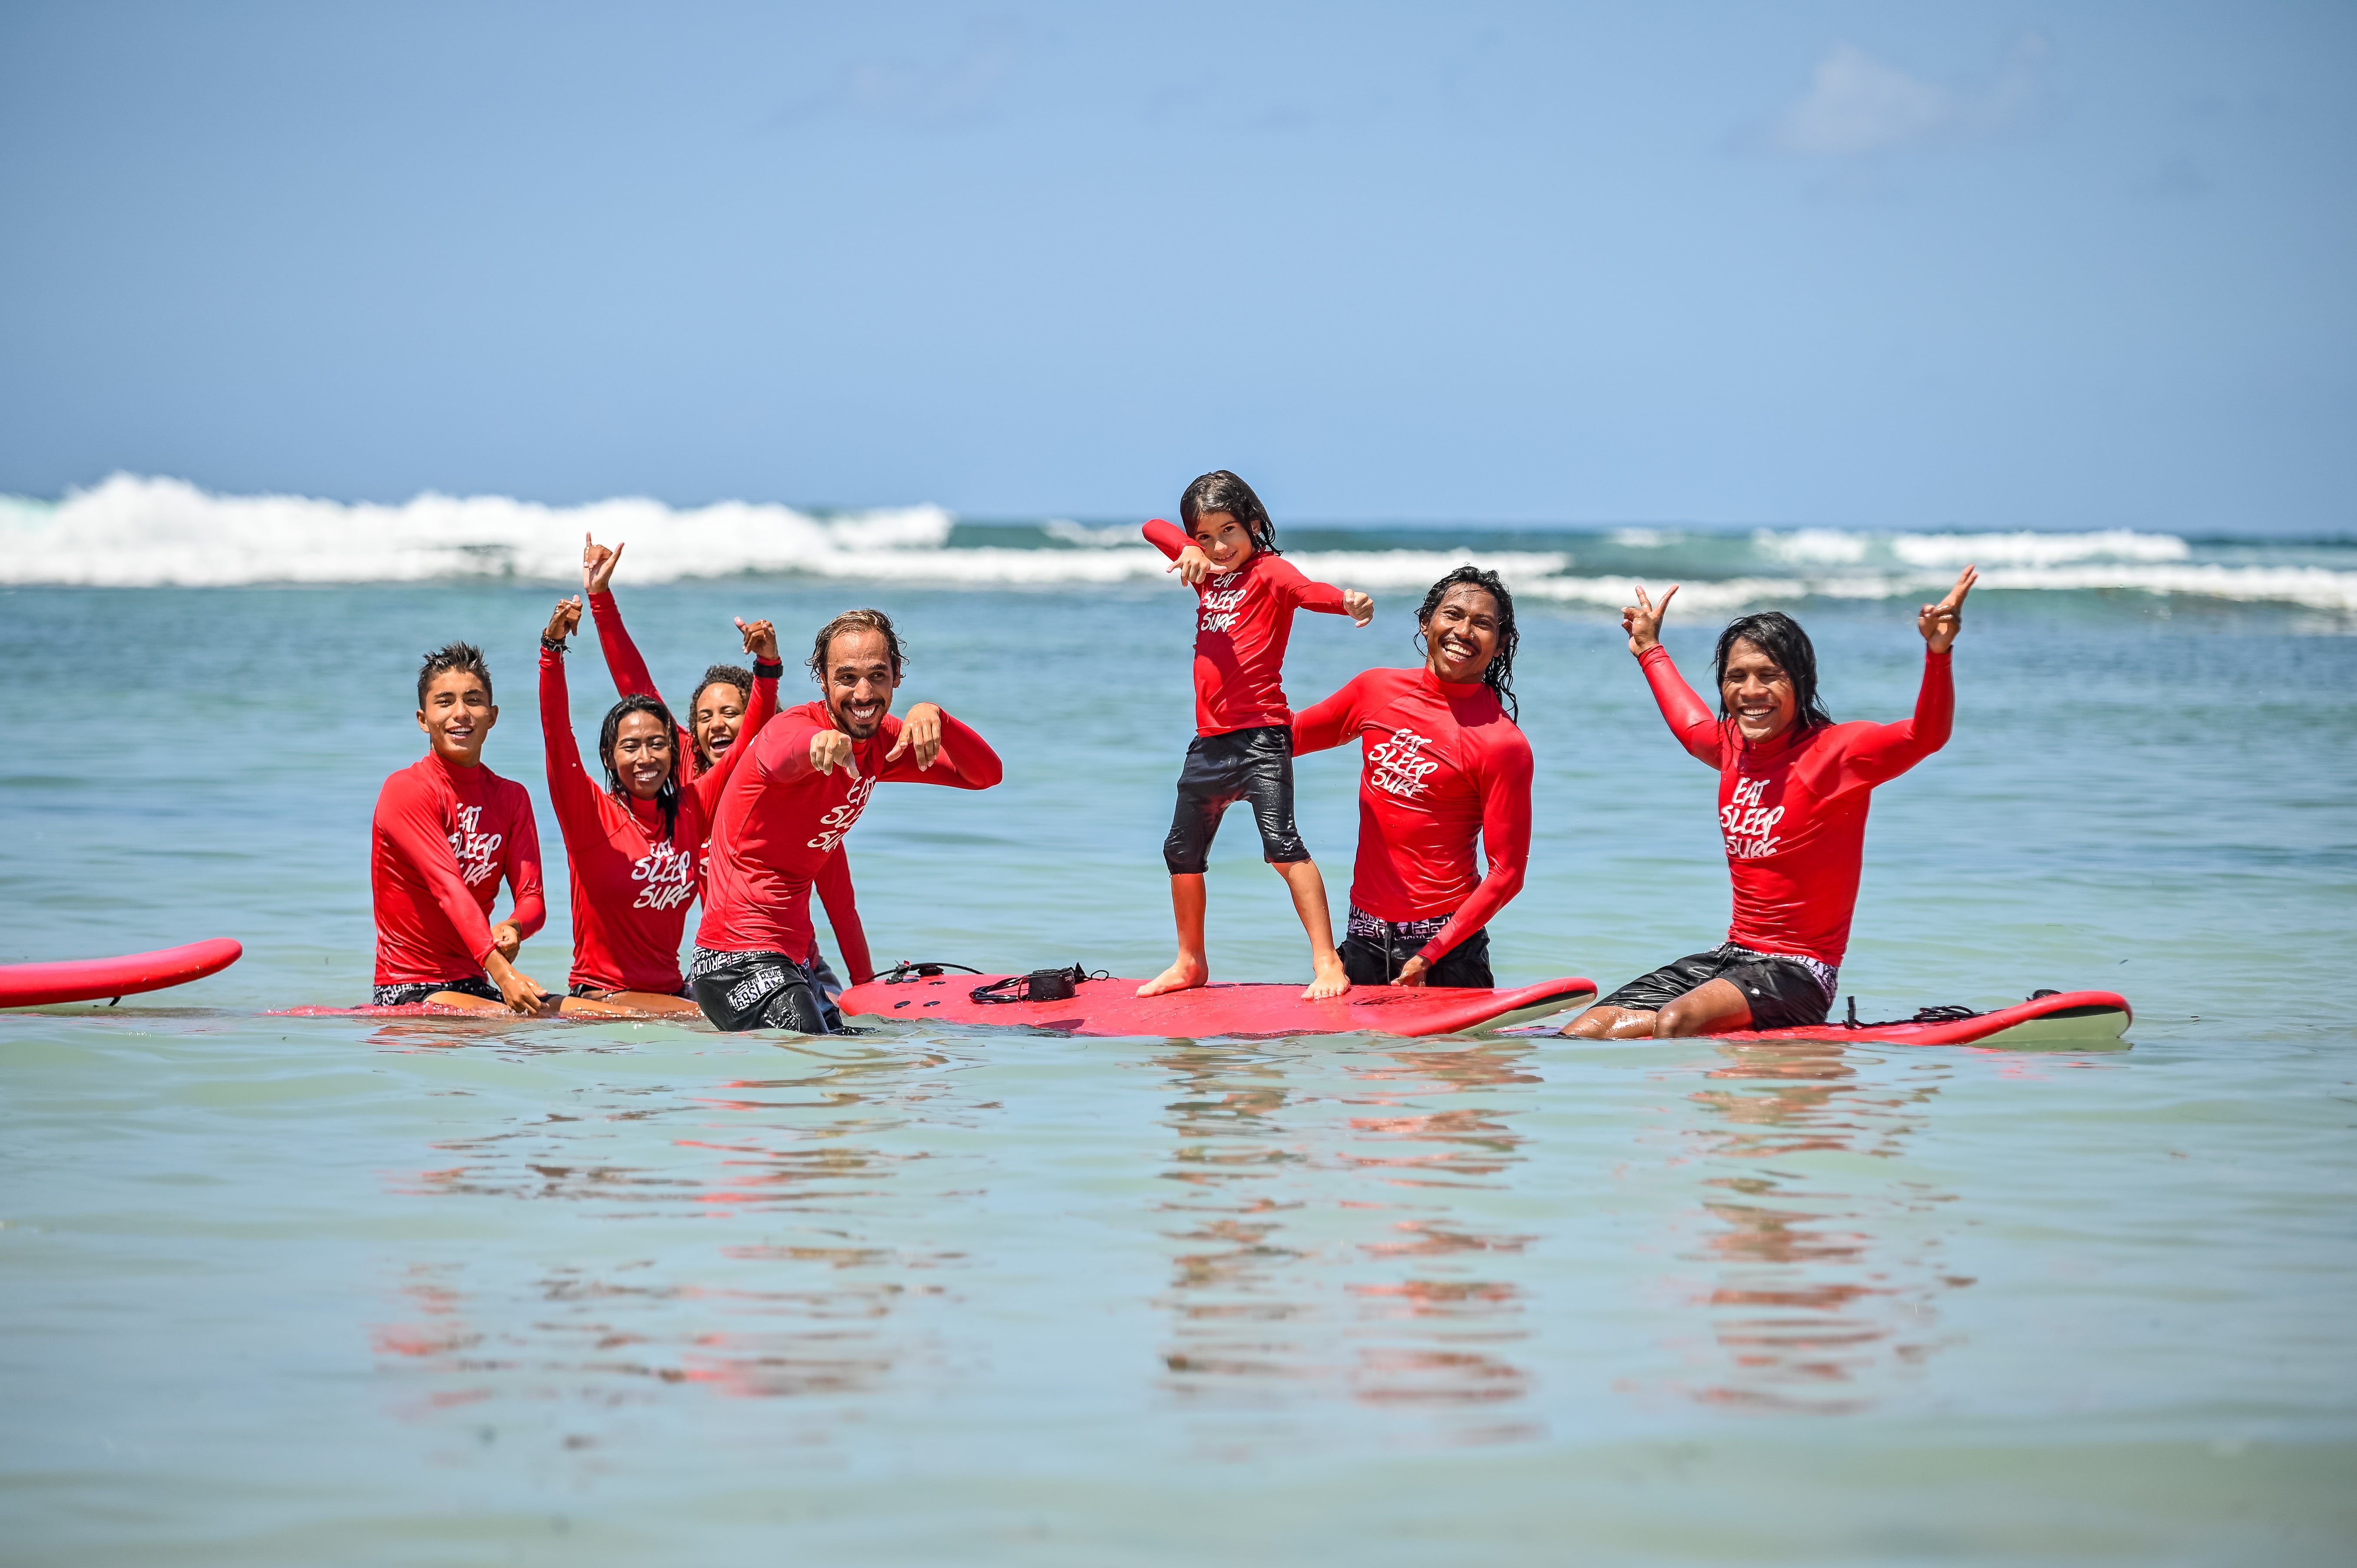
column 1643, row 620
column 1939, row 623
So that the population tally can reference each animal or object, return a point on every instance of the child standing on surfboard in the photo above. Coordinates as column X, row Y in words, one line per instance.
column 1243, row 749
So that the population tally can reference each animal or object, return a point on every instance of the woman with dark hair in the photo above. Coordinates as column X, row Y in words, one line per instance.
column 634, row 850
column 1794, row 789
column 717, row 713
column 1444, row 762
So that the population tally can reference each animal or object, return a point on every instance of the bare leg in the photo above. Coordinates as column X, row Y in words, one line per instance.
column 1710, row 1008
column 462, row 999
column 629, row 1004
column 1309, row 903
column 1190, row 968
column 1602, row 1023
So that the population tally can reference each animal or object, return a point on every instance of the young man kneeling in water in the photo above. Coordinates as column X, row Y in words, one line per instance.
column 1794, row 787
column 446, row 828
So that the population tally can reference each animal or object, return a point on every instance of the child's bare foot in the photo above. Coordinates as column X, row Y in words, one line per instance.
column 1331, row 982
column 1186, row 973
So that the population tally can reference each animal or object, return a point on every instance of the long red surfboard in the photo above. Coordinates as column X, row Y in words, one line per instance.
column 1226, row 1011
column 88, row 979
column 2057, row 1018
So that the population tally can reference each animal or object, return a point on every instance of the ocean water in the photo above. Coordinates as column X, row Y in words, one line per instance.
column 295, row 1291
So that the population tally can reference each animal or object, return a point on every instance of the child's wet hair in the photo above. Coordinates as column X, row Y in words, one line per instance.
column 1220, row 490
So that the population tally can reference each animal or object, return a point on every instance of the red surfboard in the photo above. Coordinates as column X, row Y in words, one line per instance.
column 88, row 979
column 1223, row 1011
column 2054, row 1018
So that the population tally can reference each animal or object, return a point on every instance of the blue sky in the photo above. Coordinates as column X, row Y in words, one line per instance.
column 1883, row 266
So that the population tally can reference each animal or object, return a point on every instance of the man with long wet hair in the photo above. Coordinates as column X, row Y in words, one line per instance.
column 1794, row 789
column 1444, row 763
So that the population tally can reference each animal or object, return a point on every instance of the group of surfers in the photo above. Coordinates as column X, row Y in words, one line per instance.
column 745, row 807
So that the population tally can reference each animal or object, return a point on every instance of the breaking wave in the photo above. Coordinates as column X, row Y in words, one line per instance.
column 134, row 531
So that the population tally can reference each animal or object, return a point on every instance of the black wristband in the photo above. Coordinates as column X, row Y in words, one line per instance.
column 554, row 644
column 762, row 671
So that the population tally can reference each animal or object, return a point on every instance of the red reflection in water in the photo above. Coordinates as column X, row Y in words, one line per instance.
column 1826, row 1284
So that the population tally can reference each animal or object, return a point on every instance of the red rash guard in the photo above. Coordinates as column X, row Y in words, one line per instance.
column 632, row 679
column 441, row 840
column 781, row 820
column 1793, row 810
column 1245, row 620
column 1443, row 763
column 631, row 885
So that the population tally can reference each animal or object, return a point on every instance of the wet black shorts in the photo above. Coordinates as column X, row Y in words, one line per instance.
column 741, row 991
column 1254, row 765
column 1374, row 951
column 411, row 992
column 1784, row 992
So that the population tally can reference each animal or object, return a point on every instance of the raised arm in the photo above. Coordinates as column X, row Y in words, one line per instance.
column 834, row 890
column 761, row 707
column 1505, row 843
column 1689, row 718
column 623, row 663
column 1885, row 751
column 571, row 791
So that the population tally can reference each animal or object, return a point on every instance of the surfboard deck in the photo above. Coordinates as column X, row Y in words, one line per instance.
column 127, row 974
column 2060, row 1018
column 1226, row 1011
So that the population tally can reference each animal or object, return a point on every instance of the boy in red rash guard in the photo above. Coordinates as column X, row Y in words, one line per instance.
column 718, row 715
column 635, row 849
column 446, row 828
column 1444, row 763
column 1794, row 787
column 1246, row 593
column 785, row 812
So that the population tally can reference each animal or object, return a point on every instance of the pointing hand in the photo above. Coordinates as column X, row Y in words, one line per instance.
column 831, row 749
column 922, row 729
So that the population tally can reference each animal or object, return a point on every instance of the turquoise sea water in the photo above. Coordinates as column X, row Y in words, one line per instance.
column 280, row 1291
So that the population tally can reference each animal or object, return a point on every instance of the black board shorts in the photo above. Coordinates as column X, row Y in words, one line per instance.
column 409, row 993
column 741, row 991
column 1374, row 951
column 1254, row 765
column 1784, row 992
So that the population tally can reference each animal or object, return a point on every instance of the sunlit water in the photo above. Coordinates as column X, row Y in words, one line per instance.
column 278, row 1291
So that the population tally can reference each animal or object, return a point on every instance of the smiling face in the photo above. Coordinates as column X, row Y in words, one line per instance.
column 458, row 716
column 1758, row 691
column 1461, row 634
column 859, row 681
column 643, row 754
column 1228, row 542
column 719, row 712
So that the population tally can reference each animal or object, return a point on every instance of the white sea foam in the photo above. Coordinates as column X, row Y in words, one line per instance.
column 1813, row 546
column 2315, row 587
column 134, row 531
column 1072, row 533
column 2035, row 549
